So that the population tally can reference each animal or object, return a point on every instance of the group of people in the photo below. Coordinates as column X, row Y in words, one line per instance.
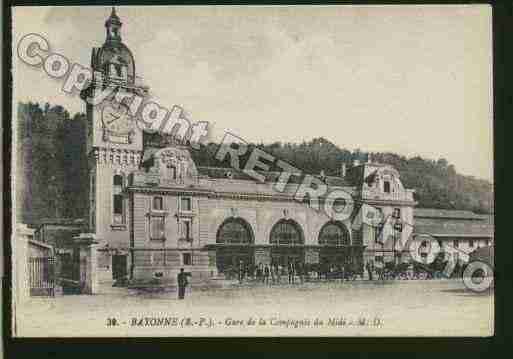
column 375, row 270
column 272, row 274
column 294, row 272
column 381, row 271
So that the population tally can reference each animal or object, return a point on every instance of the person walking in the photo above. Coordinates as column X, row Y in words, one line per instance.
column 182, row 283
column 278, row 273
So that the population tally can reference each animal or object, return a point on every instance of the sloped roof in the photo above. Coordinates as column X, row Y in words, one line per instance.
column 270, row 176
column 454, row 228
column 221, row 172
column 488, row 218
column 445, row 214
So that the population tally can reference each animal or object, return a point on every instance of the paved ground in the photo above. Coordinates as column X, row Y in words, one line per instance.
column 441, row 307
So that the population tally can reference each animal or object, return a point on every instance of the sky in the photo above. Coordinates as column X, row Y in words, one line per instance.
column 414, row 80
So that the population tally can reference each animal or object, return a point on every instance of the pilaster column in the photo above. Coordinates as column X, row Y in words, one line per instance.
column 88, row 249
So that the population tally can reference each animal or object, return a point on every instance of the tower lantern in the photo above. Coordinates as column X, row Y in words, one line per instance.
column 113, row 25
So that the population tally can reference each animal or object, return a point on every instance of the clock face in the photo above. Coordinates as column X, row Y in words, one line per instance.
column 117, row 120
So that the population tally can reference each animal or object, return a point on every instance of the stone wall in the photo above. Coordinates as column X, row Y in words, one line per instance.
column 20, row 255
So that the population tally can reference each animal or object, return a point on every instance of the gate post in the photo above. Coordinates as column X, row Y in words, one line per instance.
column 87, row 245
column 20, row 259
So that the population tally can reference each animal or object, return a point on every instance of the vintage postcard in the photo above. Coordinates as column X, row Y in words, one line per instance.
column 252, row 171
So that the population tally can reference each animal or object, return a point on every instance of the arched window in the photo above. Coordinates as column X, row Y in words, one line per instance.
column 234, row 231
column 335, row 234
column 286, row 231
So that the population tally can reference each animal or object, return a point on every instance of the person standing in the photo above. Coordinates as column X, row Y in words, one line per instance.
column 241, row 271
column 291, row 272
column 266, row 274
column 182, row 283
column 380, row 269
column 252, row 271
column 273, row 273
column 247, row 271
column 259, row 273
column 299, row 270
column 369, row 269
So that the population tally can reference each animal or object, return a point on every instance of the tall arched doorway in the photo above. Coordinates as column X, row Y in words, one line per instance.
column 334, row 233
column 234, row 241
column 335, row 244
column 287, row 242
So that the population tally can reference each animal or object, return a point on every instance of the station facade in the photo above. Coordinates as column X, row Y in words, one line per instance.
column 155, row 211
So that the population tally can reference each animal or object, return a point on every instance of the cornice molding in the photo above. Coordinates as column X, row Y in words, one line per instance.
column 116, row 156
column 211, row 194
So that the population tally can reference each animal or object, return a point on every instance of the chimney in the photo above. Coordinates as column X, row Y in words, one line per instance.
column 343, row 170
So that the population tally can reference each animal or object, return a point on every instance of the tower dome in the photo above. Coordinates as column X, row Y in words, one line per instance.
column 114, row 59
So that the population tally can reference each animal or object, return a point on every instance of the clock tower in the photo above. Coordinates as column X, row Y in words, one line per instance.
column 114, row 141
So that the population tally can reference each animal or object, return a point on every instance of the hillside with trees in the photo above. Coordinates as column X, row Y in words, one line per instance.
column 437, row 183
column 52, row 167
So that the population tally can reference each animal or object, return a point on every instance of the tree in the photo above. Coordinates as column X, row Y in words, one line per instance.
column 51, row 163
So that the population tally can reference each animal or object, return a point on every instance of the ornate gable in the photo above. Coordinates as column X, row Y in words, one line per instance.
column 382, row 182
column 174, row 165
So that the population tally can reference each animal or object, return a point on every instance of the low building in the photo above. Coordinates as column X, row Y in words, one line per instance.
column 458, row 232
column 59, row 232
